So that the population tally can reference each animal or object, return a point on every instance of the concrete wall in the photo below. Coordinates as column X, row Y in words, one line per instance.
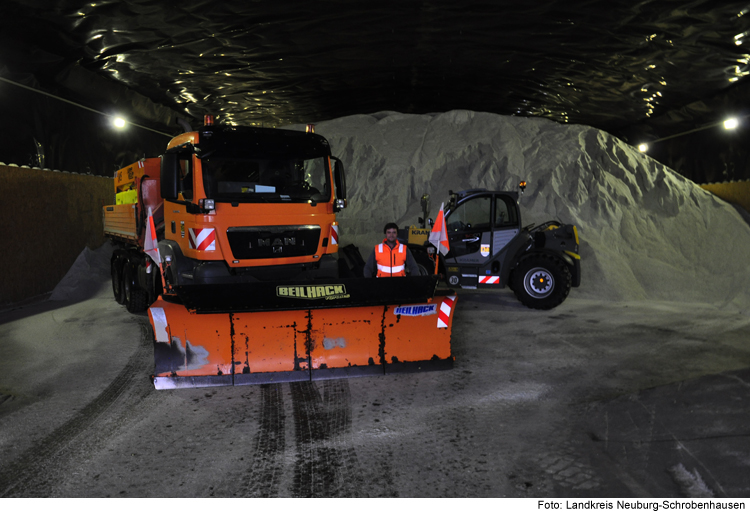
column 47, row 218
column 737, row 192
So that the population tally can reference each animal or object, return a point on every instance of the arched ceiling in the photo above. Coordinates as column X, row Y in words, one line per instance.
column 609, row 64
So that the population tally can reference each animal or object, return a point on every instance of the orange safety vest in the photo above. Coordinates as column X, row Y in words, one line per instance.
column 391, row 261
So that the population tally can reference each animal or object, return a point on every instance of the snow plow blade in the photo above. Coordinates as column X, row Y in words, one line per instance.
column 210, row 348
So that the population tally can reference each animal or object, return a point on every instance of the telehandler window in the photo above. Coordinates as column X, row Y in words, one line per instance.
column 470, row 215
column 506, row 212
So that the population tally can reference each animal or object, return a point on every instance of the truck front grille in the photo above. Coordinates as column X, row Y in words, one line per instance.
column 268, row 242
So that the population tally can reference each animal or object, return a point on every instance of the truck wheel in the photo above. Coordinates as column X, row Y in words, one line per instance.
column 116, row 271
column 158, row 289
column 136, row 299
column 541, row 282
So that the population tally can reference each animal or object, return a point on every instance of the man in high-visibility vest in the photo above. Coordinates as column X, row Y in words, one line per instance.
column 390, row 258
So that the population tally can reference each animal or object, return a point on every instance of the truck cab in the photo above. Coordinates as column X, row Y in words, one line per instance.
column 245, row 204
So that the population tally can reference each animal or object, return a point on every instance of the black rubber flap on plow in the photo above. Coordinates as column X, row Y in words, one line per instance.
column 271, row 296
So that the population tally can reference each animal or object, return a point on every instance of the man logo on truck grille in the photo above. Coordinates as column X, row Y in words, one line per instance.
column 278, row 242
column 313, row 292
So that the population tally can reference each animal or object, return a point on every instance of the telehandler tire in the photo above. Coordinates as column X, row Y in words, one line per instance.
column 541, row 282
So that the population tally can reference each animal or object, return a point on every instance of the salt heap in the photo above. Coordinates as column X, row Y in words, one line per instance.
column 646, row 232
column 87, row 277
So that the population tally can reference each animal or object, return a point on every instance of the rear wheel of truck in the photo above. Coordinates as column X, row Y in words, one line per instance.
column 541, row 282
column 116, row 270
column 136, row 299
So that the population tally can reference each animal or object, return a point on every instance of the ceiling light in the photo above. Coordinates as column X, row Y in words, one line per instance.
column 643, row 147
column 731, row 124
column 118, row 122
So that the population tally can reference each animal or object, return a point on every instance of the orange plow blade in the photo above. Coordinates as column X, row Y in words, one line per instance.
column 240, row 348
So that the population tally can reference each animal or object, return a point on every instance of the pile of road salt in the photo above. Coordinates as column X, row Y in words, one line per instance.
column 89, row 276
column 647, row 233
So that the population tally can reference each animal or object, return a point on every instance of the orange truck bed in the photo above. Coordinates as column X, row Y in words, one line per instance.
column 119, row 222
column 122, row 220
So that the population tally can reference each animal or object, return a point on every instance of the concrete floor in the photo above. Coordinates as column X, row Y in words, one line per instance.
column 592, row 399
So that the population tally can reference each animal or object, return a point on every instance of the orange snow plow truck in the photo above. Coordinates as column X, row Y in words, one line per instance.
column 245, row 287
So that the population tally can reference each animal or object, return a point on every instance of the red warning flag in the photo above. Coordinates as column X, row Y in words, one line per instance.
column 439, row 234
column 150, row 245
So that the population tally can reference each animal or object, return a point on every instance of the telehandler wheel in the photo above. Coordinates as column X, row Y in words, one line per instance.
column 136, row 299
column 541, row 282
column 116, row 271
column 425, row 264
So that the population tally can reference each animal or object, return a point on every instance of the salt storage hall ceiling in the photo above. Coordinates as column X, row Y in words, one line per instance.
column 609, row 64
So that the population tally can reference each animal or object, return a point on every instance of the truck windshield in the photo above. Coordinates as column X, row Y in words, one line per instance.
column 266, row 180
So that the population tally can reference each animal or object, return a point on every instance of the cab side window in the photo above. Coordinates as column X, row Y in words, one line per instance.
column 186, row 178
column 471, row 215
column 506, row 213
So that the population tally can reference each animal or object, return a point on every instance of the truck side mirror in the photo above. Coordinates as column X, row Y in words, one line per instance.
column 169, row 176
column 339, row 181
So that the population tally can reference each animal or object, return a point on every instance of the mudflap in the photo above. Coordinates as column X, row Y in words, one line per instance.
column 241, row 348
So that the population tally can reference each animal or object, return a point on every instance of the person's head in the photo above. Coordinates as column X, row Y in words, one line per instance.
column 391, row 232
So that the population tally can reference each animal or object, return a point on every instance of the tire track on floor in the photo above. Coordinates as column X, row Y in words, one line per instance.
column 31, row 472
column 326, row 464
column 264, row 476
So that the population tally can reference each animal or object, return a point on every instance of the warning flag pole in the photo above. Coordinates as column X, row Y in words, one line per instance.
column 439, row 236
column 151, row 245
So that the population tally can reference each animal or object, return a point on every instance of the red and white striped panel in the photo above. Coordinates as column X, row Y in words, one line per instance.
column 444, row 316
column 489, row 280
column 334, row 234
column 202, row 238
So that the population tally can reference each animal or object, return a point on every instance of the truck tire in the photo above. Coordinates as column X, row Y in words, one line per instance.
column 136, row 299
column 541, row 282
column 116, row 271
column 158, row 288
